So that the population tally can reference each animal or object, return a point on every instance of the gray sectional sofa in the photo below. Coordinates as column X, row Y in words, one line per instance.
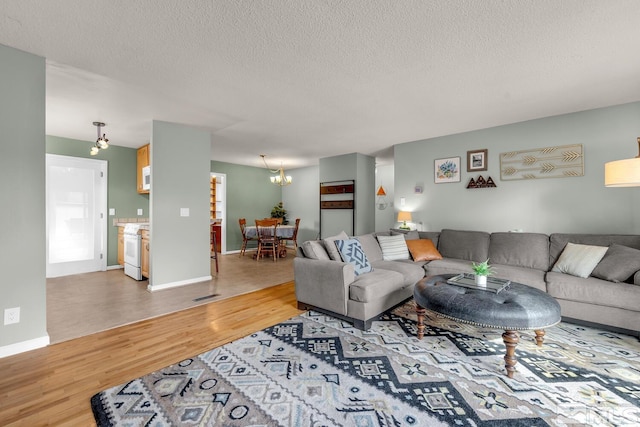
column 606, row 297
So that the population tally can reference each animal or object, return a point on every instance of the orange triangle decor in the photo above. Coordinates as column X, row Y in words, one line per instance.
column 381, row 192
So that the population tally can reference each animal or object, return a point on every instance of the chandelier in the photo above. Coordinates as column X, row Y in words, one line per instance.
column 102, row 143
column 280, row 179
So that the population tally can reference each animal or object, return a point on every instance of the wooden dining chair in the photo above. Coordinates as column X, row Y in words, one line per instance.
column 277, row 219
column 245, row 239
column 268, row 242
column 294, row 237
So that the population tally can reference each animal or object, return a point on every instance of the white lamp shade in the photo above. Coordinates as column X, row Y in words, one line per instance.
column 622, row 173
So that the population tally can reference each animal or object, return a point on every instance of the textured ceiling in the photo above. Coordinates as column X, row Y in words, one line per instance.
column 299, row 80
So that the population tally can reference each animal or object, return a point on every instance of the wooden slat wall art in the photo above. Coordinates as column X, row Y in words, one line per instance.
column 552, row 162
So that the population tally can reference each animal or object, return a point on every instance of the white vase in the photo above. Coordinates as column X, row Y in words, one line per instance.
column 481, row 280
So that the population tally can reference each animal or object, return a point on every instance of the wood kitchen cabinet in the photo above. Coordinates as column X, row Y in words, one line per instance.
column 143, row 160
column 121, row 245
column 144, row 253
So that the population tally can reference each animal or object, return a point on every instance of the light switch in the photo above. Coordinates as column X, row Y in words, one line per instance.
column 402, row 201
column 139, row 211
column 112, row 211
column 184, row 211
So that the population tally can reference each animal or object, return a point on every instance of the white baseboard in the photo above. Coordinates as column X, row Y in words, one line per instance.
column 152, row 288
column 21, row 347
column 115, row 267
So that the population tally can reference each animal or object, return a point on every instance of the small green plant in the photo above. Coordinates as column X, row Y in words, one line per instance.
column 482, row 268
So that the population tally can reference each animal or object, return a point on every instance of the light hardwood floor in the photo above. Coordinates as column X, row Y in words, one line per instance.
column 83, row 304
column 53, row 385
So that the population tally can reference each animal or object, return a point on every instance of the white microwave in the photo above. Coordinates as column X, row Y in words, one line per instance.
column 146, row 178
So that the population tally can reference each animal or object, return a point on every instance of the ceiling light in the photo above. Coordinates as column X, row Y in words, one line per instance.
column 623, row 173
column 102, row 143
column 281, row 179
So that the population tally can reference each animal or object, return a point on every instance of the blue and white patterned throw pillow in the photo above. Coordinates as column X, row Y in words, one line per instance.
column 351, row 251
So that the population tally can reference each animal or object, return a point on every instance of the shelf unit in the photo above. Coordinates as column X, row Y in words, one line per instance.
column 217, row 211
column 338, row 195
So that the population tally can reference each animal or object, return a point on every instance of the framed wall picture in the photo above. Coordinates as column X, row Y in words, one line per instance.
column 447, row 170
column 477, row 160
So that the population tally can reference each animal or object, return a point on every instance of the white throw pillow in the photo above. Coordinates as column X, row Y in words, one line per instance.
column 579, row 260
column 393, row 247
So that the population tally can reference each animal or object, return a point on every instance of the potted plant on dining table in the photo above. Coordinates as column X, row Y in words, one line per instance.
column 279, row 211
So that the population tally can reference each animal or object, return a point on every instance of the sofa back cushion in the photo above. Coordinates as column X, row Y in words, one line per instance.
column 467, row 245
column 530, row 250
column 370, row 247
column 433, row 235
column 558, row 241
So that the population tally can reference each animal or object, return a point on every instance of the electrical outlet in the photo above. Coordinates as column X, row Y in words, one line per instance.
column 139, row 211
column 11, row 315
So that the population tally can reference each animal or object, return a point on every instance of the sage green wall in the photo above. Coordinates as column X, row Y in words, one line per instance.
column 22, row 186
column 121, row 193
column 301, row 199
column 250, row 195
column 180, row 171
column 578, row 204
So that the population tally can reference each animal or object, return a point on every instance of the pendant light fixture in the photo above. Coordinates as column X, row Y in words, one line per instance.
column 623, row 173
column 281, row 179
column 102, row 143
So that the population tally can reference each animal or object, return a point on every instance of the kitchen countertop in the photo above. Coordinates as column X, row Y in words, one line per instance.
column 143, row 225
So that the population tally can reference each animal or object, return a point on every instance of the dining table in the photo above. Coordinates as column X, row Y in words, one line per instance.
column 282, row 231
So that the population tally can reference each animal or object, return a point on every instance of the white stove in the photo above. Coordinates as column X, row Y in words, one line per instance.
column 132, row 251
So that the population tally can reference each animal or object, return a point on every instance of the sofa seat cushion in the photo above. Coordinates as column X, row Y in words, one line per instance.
column 371, row 286
column 520, row 249
column 593, row 291
column 469, row 245
column 410, row 271
column 526, row 276
column 447, row 266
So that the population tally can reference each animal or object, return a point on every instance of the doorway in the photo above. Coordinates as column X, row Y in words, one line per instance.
column 218, row 210
column 76, row 224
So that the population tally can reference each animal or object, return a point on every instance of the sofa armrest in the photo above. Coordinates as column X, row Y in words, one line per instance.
column 324, row 284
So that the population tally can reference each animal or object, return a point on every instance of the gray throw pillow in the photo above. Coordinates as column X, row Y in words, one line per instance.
column 330, row 245
column 579, row 260
column 314, row 249
column 618, row 264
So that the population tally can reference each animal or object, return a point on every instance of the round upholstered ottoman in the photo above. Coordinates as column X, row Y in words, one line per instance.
column 519, row 307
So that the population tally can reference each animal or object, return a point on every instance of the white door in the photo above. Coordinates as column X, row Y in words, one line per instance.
column 76, row 192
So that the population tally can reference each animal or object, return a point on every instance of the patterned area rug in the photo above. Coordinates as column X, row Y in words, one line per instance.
column 315, row 370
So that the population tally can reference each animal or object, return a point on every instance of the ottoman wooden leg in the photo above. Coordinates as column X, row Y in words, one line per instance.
column 420, row 312
column 510, row 339
column 539, row 337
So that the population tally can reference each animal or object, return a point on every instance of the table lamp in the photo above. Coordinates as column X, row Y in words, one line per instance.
column 404, row 216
